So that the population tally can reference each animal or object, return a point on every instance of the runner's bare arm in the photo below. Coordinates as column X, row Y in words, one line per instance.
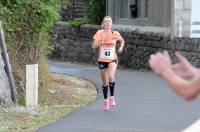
column 121, row 40
column 96, row 43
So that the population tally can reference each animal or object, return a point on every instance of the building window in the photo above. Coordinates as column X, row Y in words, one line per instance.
column 134, row 8
column 124, row 5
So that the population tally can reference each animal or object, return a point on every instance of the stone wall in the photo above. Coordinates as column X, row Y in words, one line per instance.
column 75, row 45
column 74, row 9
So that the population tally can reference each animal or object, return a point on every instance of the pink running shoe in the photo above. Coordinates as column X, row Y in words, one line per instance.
column 112, row 101
column 106, row 105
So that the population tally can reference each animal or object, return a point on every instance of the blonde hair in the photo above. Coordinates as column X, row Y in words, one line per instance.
column 102, row 23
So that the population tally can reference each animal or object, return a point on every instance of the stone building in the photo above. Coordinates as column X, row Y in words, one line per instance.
column 74, row 9
column 172, row 14
column 140, row 12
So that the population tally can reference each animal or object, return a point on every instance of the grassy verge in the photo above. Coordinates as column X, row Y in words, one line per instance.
column 65, row 94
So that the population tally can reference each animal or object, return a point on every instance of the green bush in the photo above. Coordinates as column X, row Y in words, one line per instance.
column 95, row 10
column 26, row 25
column 27, row 19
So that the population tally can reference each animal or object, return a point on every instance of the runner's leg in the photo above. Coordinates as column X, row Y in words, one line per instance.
column 111, row 77
column 104, row 79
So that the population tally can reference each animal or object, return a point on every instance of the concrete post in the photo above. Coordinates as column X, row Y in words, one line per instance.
column 32, row 85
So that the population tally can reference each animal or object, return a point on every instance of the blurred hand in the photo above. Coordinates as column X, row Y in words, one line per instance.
column 183, row 68
column 160, row 62
column 119, row 50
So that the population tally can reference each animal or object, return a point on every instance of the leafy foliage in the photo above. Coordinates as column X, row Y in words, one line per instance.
column 95, row 10
column 27, row 24
column 23, row 20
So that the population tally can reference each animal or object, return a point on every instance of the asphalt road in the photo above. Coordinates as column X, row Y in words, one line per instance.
column 144, row 103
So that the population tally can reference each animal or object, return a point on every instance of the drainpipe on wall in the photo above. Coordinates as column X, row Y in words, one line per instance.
column 180, row 28
column 172, row 19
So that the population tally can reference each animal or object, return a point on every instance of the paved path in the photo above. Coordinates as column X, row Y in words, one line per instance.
column 144, row 104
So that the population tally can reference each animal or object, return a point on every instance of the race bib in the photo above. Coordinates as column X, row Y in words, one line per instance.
column 106, row 53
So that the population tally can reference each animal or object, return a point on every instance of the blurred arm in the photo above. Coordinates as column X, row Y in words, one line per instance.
column 188, row 89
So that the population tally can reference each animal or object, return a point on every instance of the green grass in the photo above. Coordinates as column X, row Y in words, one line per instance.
column 20, row 118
